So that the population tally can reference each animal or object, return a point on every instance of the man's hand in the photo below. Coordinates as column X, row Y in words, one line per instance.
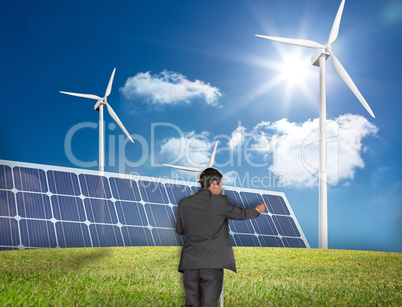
column 261, row 208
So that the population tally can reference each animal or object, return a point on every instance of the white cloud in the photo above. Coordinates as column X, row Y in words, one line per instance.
column 190, row 149
column 293, row 156
column 169, row 87
column 256, row 139
column 294, row 148
column 289, row 150
column 238, row 137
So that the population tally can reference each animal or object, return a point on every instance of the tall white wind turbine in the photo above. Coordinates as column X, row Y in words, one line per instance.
column 99, row 107
column 318, row 59
column 197, row 169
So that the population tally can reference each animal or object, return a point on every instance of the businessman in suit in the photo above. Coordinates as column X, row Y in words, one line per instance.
column 203, row 220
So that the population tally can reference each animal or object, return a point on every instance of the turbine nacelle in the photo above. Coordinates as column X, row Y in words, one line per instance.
column 315, row 59
column 98, row 104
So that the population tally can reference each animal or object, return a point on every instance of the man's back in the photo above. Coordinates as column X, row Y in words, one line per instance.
column 203, row 219
column 207, row 250
column 202, row 216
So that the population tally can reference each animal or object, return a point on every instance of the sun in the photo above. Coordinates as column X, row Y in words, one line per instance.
column 291, row 70
column 294, row 71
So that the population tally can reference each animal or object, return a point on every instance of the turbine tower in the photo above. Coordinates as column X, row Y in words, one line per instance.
column 99, row 107
column 318, row 59
column 197, row 169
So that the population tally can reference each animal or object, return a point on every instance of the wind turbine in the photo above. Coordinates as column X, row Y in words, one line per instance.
column 197, row 169
column 99, row 107
column 318, row 59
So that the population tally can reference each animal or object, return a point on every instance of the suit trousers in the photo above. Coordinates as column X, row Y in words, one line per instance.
column 203, row 287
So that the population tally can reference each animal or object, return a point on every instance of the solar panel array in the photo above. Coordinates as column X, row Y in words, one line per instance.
column 43, row 206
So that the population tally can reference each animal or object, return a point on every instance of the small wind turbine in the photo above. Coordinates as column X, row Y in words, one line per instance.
column 318, row 59
column 99, row 107
column 197, row 169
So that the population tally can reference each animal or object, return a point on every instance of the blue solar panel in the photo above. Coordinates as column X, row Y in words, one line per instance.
column 238, row 226
column 286, row 226
column 94, row 186
column 234, row 198
column 268, row 241
column 241, row 226
column 153, row 192
column 246, row 240
column 264, row 225
column 100, row 211
column 272, row 228
column 137, row 236
column 30, row 179
column 275, row 204
column 105, row 235
column 7, row 204
column 131, row 213
column 294, row 242
column 33, row 205
column 166, row 237
column 160, row 216
column 125, row 189
column 67, row 208
column 44, row 206
column 37, row 233
column 177, row 192
column 175, row 210
column 6, row 179
column 73, row 234
column 63, row 183
column 251, row 200
column 9, row 232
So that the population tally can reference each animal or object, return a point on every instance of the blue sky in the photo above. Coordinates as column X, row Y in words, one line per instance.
column 189, row 73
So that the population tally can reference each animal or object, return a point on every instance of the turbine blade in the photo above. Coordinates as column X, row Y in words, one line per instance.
column 186, row 168
column 109, row 86
column 335, row 27
column 345, row 77
column 117, row 120
column 212, row 159
column 88, row 96
column 293, row 41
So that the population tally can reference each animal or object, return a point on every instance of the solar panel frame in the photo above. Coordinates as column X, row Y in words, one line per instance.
column 86, row 208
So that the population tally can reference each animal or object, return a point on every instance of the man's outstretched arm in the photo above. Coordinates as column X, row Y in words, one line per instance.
column 236, row 213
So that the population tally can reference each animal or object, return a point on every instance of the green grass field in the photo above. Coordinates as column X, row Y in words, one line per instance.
column 147, row 276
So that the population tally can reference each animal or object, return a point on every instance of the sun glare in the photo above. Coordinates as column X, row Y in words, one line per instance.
column 293, row 72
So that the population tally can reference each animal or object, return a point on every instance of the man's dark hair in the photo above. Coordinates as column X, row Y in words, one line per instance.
column 208, row 176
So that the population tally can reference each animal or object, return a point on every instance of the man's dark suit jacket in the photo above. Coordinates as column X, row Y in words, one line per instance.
column 203, row 219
